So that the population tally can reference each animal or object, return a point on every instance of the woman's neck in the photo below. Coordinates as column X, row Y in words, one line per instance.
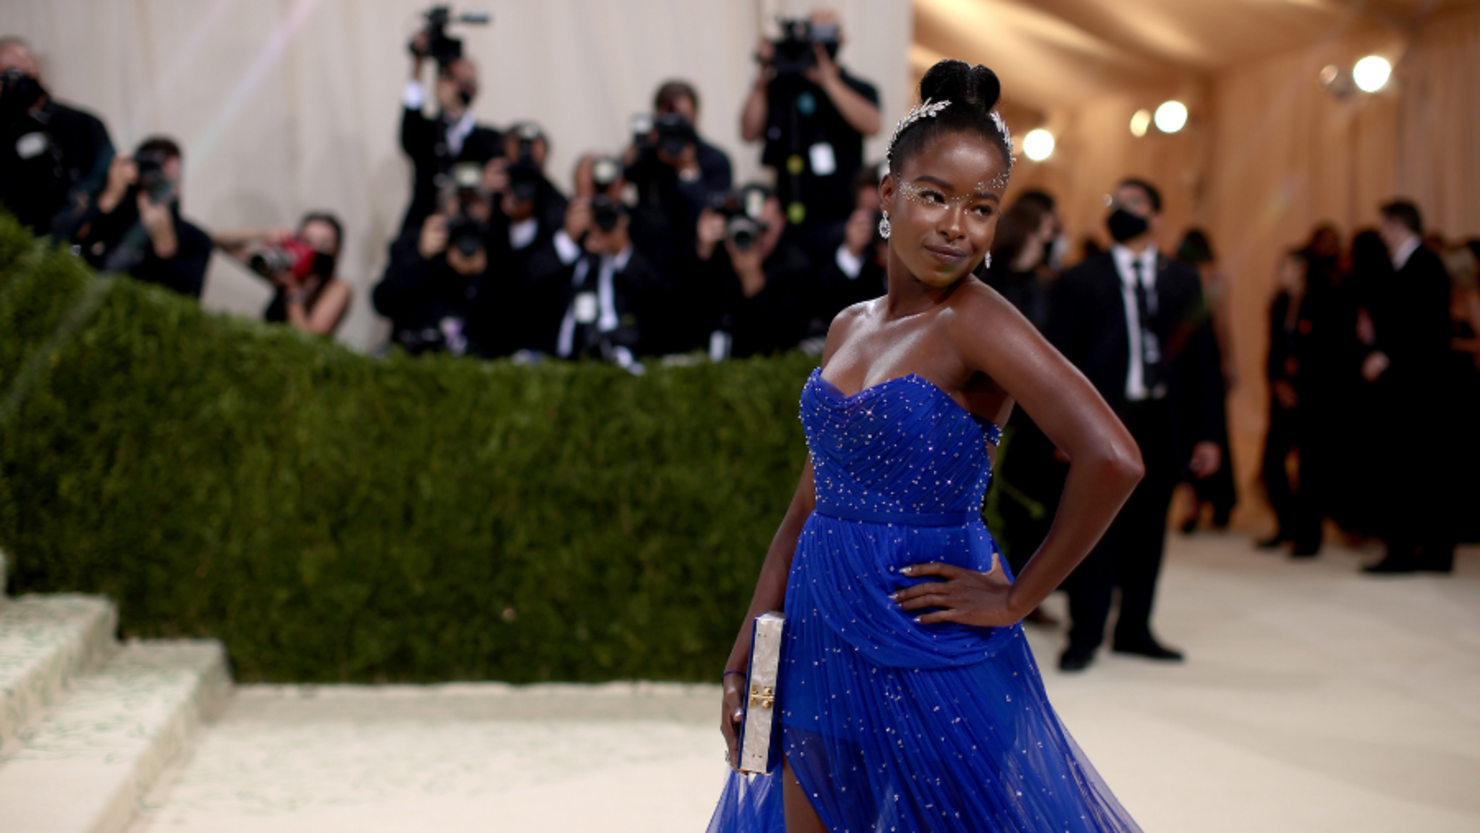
column 909, row 296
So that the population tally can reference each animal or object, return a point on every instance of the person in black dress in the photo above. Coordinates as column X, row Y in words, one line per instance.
column 1292, row 330
column 1218, row 490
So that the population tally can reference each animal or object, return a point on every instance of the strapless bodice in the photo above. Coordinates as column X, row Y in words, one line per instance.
column 899, row 448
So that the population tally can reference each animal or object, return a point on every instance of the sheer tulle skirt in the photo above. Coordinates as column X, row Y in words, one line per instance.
column 894, row 726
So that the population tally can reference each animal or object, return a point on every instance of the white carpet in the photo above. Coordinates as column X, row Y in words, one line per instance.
column 1314, row 699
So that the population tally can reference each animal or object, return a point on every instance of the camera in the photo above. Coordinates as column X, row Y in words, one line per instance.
column 606, row 212
column 674, row 134
column 794, row 53
column 524, row 173
column 642, row 125
column 440, row 47
column 294, row 258
column 742, row 209
column 605, row 171
column 465, row 232
column 152, row 180
column 19, row 92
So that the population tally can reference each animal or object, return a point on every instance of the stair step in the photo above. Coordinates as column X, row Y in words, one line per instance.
column 87, row 766
column 46, row 642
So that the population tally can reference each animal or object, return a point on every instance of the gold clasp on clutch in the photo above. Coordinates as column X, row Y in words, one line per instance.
column 762, row 697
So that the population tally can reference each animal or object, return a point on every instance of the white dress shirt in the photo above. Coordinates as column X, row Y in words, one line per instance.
column 1405, row 251
column 1125, row 265
column 414, row 97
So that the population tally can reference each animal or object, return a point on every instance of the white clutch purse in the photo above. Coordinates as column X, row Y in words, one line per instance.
column 760, row 733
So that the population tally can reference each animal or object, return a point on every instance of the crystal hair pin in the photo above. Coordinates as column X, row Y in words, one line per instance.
column 925, row 109
column 1006, row 136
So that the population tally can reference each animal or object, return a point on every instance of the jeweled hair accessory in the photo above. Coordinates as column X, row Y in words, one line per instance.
column 999, row 182
column 1006, row 136
column 925, row 109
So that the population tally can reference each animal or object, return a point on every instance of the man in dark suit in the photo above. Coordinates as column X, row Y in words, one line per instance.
column 1407, row 367
column 53, row 158
column 1135, row 323
column 135, row 225
column 436, row 144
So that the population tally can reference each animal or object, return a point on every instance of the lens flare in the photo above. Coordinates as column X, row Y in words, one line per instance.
column 1171, row 116
column 1371, row 73
column 1038, row 144
column 1140, row 123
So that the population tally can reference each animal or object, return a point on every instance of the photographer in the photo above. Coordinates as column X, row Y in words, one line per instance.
column 301, row 265
column 857, row 270
column 675, row 174
column 53, row 158
column 451, row 136
column 758, row 276
column 528, row 208
column 601, row 284
column 432, row 284
column 813, row 116
column 135, row 225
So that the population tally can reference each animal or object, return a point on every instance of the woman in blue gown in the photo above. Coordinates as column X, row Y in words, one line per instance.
column 908, row 698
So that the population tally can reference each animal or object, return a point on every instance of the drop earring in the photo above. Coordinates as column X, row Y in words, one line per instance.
column 884, row 226
column 987, row 261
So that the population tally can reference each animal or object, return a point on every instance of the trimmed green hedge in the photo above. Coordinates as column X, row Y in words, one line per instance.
column 335, row 517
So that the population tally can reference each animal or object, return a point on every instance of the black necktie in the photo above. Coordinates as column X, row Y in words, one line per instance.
column 1151, row 374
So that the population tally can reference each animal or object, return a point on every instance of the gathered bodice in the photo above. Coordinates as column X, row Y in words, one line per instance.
column 901, row 447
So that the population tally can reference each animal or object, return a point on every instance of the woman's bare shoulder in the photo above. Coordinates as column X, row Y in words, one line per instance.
column 985, row 327
column 843, row 324
column 976, row 303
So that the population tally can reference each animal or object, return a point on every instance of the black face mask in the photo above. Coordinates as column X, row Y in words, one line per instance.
column 18, row 94
column 323, row 264
column 1125, row 226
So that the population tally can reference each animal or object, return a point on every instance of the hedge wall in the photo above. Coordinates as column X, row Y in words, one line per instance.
column 336, row 517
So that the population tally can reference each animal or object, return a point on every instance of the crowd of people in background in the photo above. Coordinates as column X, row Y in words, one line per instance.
column 1374, row 366
column 655, row 251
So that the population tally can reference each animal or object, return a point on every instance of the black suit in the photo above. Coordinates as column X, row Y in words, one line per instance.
column 53, row 164
column 117, row 242
column 1410, row 315
column 425, row 141
column 1087, row 323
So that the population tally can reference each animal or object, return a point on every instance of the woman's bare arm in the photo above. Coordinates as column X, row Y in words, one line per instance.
column 1105, row 464
column 770, row 588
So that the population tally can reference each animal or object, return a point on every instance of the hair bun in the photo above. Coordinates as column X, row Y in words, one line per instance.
column 960, row 83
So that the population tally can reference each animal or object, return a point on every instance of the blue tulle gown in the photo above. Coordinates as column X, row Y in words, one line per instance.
column 891, row 725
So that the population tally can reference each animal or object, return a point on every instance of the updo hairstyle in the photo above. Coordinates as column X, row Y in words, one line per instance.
column 972, row 92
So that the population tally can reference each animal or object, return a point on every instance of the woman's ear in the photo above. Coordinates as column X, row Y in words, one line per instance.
column 886, row 190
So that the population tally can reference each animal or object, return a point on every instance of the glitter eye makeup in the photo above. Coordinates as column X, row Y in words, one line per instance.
column 932, row 197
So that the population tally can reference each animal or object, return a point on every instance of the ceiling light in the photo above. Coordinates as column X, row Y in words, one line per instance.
column 1171, row 116
column 1371, row 73
column 1038, row 144
column 1140, row 122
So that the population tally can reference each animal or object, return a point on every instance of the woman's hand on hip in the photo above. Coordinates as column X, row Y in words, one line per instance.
column 966, row 597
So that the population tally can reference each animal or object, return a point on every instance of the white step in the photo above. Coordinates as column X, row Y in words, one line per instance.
column 86, row 767
column 46, row 642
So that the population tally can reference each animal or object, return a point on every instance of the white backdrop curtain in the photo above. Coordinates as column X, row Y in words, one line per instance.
column 283, row 106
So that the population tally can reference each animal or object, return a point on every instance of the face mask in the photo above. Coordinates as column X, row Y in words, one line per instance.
column 323, row 264
column 1125, row 226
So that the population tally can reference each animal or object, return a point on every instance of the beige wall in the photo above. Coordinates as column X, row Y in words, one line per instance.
column 289, row 105
column 1268, row 154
